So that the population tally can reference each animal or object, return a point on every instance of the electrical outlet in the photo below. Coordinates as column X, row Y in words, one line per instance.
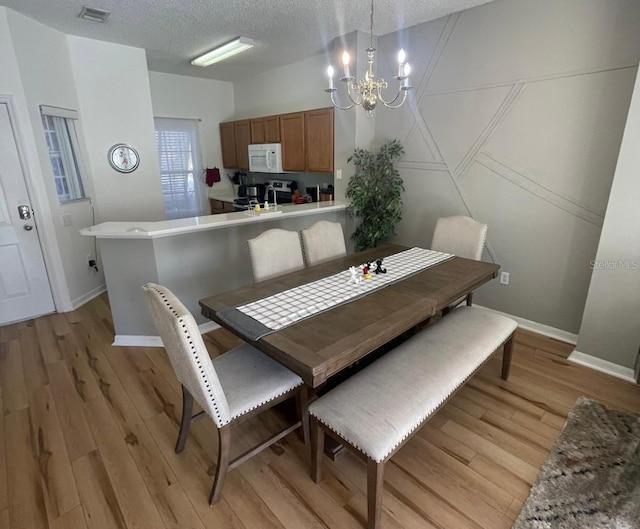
column 67, row 219
column 504, row 278
column 338, row 174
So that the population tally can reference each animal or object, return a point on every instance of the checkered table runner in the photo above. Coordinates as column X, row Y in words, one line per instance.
column 290, row 306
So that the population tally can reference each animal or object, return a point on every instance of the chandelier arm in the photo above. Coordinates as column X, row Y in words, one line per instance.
column 390, row 103
column 338, row 106
column 358, row 99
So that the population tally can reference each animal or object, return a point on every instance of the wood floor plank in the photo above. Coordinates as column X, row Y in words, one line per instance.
column 75, row 428
column 14, row 387
column 446, row 443
column 176, row 509
column 47, row 340
column 507, row 481
column 133, row 497
column 32, row 362
column 56, row 475
column 519, row 431
column 26, row 501
column 495, row 453
column 77, row 362
column 73, row 519
column 101, row 507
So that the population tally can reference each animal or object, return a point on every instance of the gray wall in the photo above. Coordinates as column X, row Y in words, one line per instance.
column 516, row 119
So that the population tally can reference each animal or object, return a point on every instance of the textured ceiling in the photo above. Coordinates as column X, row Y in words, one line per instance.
column 175, row 31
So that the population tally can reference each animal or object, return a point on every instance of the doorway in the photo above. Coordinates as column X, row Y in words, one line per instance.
column 25, row 291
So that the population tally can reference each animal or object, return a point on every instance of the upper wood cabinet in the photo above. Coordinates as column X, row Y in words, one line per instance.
column 272, row 129
column 258, row 131
column 228, row 144
column 318, row 130
column 306, row 139
column 292, row 140
column 243, row 139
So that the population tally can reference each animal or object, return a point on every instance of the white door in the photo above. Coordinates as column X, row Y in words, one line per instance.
column 24, row 285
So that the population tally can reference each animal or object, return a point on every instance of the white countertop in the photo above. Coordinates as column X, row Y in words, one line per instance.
column 167, row 228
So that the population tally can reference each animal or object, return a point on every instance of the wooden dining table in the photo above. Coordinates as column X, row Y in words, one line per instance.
column 323, row 345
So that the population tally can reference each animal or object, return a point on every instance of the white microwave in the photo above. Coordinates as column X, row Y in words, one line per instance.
column 265, row 158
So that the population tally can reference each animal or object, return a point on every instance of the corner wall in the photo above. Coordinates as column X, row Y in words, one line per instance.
column 611, row 324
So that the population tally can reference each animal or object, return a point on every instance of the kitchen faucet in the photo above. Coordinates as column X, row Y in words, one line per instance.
column 266, row 198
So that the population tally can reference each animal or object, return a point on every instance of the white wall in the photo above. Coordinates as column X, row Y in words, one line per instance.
column 176, row 96
column 112, row 83
column 516, row 119
column 47, row 78
column 611, row 324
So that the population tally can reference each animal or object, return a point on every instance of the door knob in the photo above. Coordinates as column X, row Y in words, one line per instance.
column 27, row 227
column 24, row 212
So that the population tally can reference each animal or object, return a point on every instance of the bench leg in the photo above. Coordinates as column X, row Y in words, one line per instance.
column 506, row 357
column 375, row 485
column 469, row 299
column 317, row 450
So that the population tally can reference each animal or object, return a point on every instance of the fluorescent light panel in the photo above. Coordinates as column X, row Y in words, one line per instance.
column 223, row 52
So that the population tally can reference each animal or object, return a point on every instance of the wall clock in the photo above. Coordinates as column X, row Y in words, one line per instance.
column 123, row 158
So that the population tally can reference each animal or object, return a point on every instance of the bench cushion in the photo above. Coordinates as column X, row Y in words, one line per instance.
column 379, row 407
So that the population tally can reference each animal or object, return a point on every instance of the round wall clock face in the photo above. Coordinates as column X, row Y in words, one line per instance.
column 123, row 158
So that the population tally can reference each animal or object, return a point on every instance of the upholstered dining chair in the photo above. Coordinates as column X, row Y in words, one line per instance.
column 322, row 241
column 275, row 252
column 461, row 236
column 230, row 388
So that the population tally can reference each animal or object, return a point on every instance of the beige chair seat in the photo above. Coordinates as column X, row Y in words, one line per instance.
column 250, row 379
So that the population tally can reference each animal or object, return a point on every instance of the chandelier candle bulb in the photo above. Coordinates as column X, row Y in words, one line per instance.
column 345, row 62
column 406, row 71
column 401, row 59
column 330, row 74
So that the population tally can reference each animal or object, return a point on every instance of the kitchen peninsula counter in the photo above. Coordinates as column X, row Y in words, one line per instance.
column 194, row 257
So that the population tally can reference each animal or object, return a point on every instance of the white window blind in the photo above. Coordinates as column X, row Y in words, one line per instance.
column 180, row 167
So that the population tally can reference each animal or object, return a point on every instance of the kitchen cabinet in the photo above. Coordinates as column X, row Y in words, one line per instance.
column 272, row 129
column 221, row 206
column 228, row 144
column 292, row 140
column 258, row 131
column 235, row 137
column 243, row 139
column 306, row 137
column 318, row 130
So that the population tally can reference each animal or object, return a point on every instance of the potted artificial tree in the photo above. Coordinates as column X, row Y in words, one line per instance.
column 375, row 192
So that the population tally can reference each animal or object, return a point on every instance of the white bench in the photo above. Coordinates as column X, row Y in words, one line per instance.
column 378, row 409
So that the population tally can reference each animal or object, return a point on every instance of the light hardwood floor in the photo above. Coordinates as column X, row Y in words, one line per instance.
column 88, row 432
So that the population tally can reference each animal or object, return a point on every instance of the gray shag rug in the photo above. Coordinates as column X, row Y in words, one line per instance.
column 591, row 479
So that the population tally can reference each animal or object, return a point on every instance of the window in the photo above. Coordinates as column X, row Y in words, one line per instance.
column 64, row 151
column 180, row 168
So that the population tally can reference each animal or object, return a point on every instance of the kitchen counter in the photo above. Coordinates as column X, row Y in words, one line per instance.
column 194, row 257
column 167, row 228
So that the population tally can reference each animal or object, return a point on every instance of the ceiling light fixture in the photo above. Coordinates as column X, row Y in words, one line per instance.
column 223, row 52
column 94, row 14
column 368, row 91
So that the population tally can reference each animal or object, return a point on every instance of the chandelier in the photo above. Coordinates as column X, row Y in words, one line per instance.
column 368, row 91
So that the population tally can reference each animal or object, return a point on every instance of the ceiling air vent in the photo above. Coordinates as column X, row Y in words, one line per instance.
column 94, row 14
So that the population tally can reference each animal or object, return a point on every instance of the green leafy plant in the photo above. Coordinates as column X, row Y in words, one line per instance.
column 375, row 192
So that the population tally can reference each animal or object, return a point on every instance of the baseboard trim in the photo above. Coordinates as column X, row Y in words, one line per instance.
column 85, row 298
column 540, row 328
column 131, row 340
column 604, row 366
